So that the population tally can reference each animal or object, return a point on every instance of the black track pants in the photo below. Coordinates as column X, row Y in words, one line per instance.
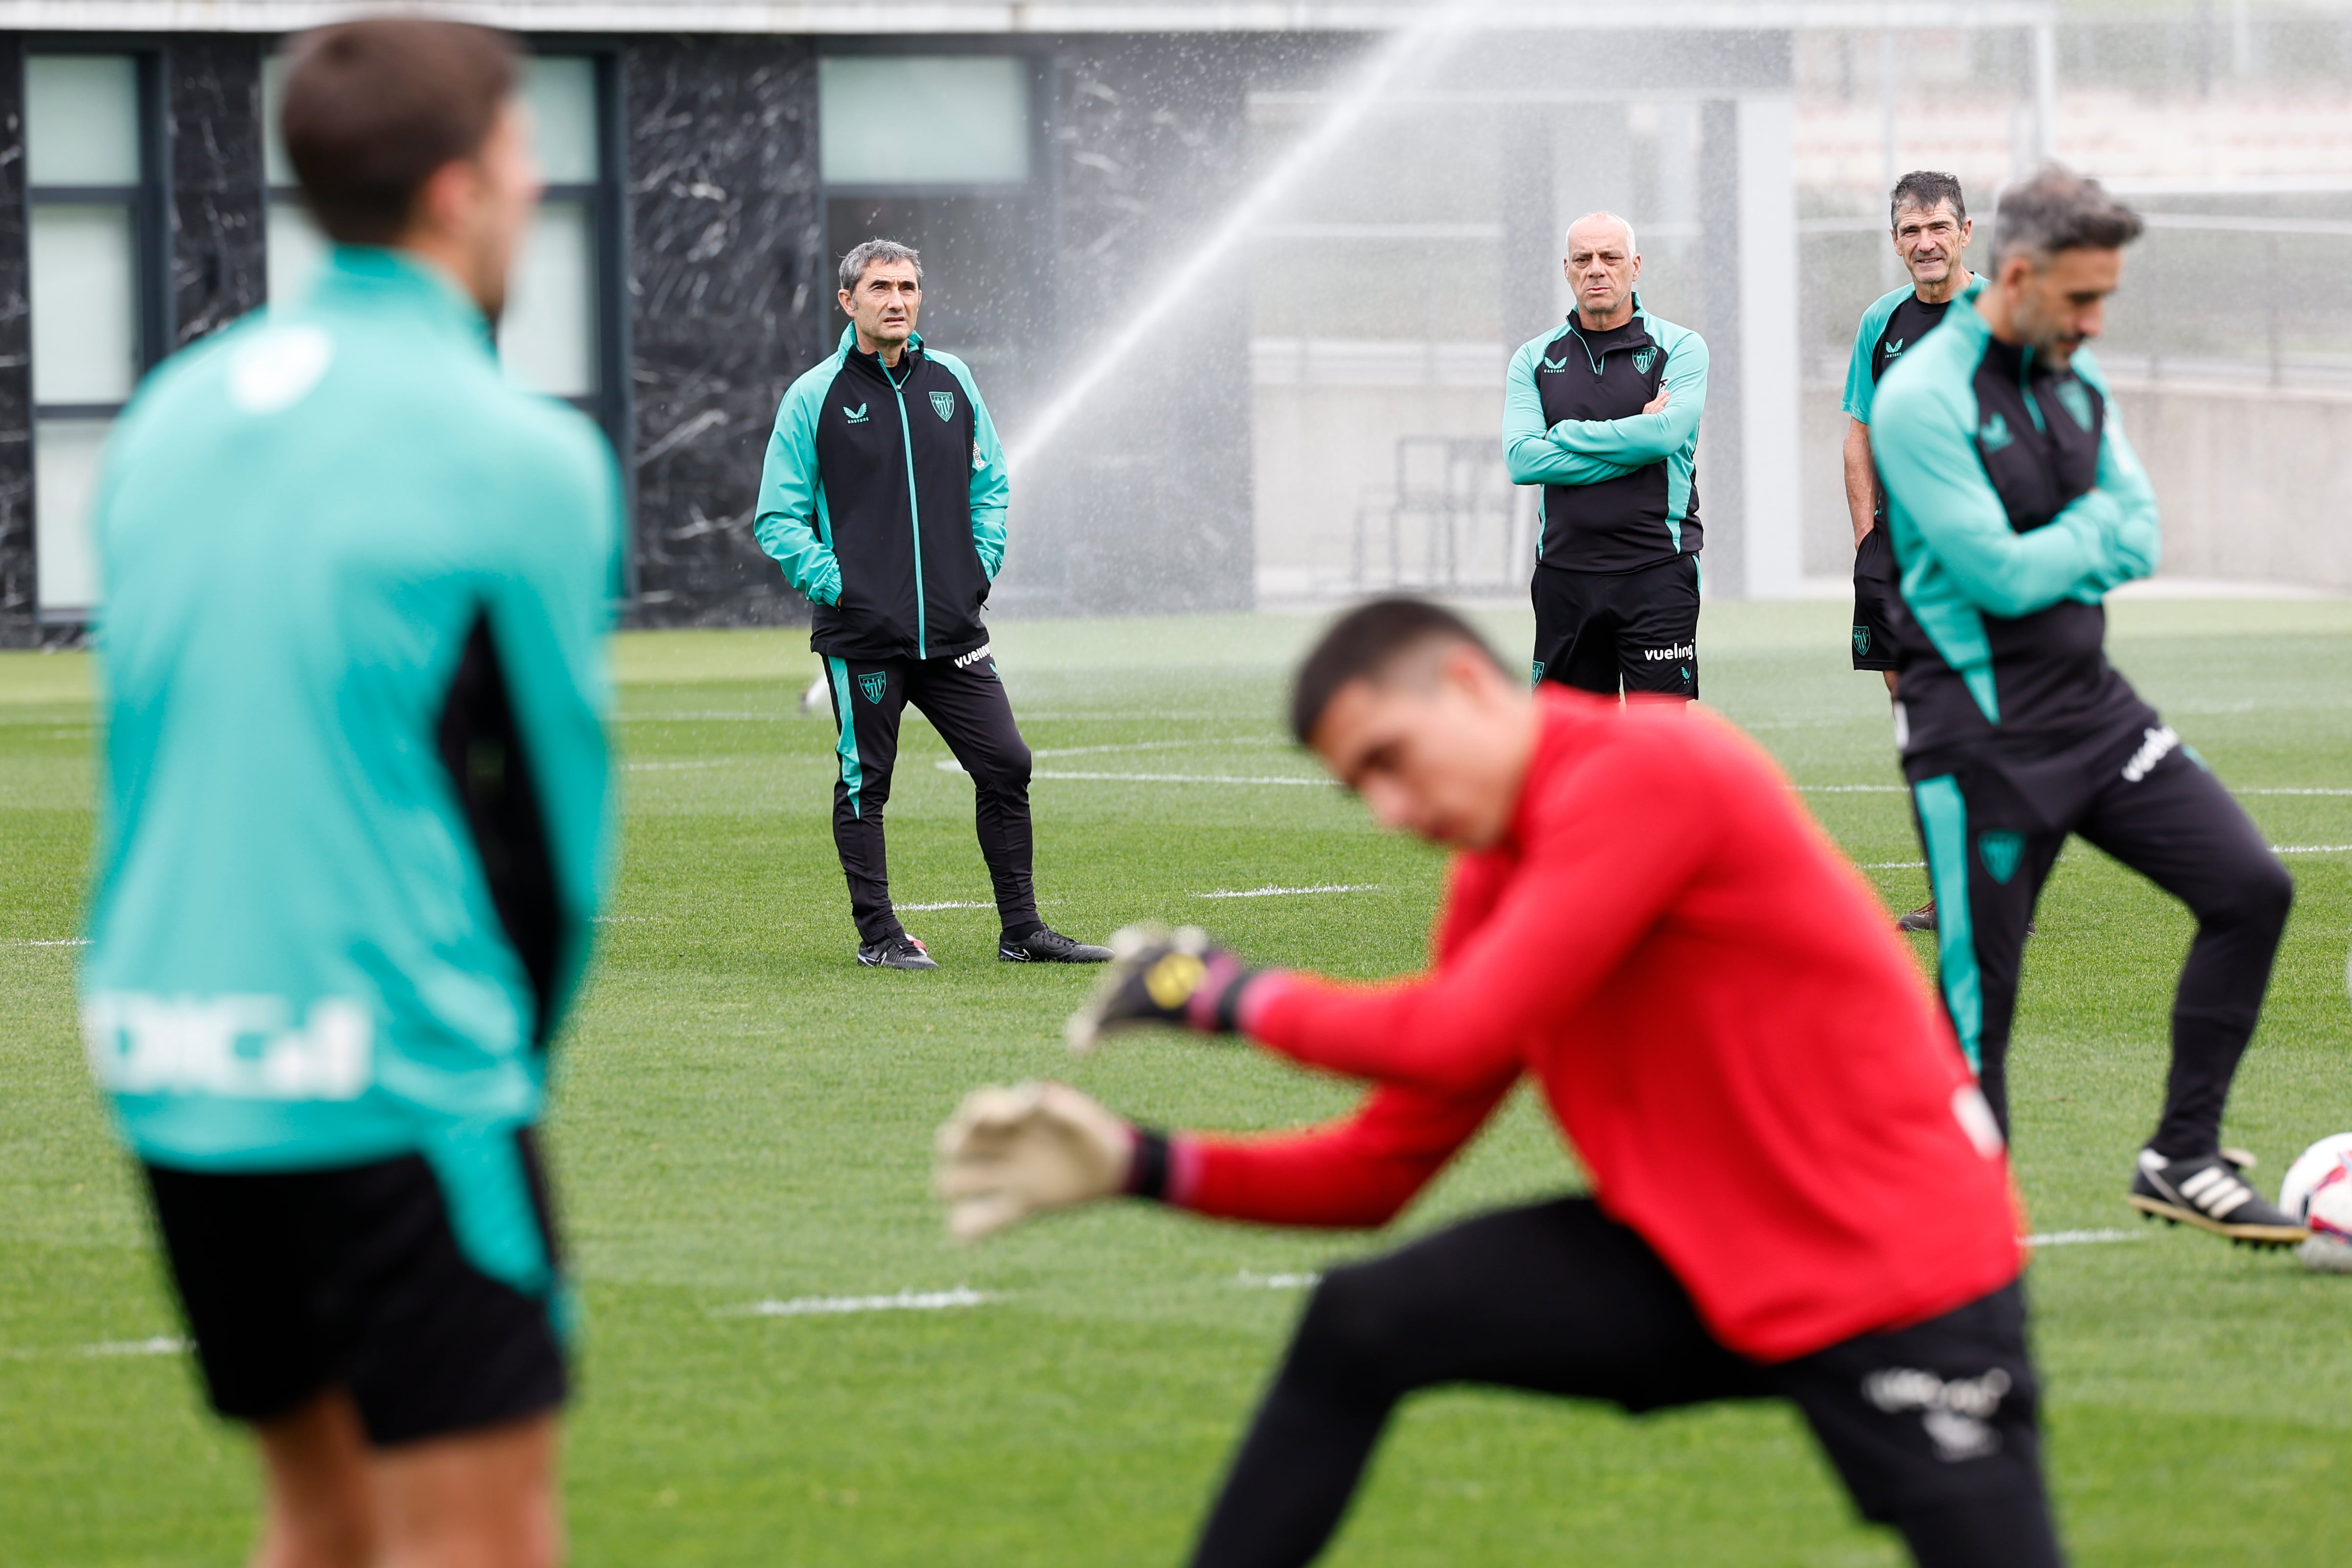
column 1559, row 1299
column 966, row 704
column 1991, row 843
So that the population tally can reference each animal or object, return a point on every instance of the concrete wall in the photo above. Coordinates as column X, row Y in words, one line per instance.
column 1328, row 415
column 1323, row 453
column 1827, row 536
column 2254, row 482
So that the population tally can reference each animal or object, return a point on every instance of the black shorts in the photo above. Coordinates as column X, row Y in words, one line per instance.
column 1877, row 601
column 1599, row 632
column 294, row 1282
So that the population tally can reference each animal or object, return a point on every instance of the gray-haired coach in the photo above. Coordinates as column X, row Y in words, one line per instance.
column 1603, row 413
column 883, row 498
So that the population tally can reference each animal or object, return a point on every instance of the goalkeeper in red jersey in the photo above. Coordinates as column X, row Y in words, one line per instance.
column 1798, row 1192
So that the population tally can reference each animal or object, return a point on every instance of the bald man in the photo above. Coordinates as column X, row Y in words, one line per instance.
column 1603, row 413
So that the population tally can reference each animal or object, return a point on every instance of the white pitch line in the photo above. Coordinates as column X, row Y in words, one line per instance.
column 1284, row 891
column 829, row 1306
column 1151, row 746
column 1245, row 1280
column 694, row 717
column 663, row 766
column 160, row 1344
column 2310, row 849
column 2080, row 1238
column 948, row 903
column 56, row 942
column 950, row 765
column 1190, row 779
column 1904, row 790
column 1892, row 865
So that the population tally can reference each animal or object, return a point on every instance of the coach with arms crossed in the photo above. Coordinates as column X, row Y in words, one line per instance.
column 356, row 825
column 2015, row 506
column 1604, row 415
column 883, row 499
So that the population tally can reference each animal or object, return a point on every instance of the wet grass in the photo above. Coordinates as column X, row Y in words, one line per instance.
column 744, row 1115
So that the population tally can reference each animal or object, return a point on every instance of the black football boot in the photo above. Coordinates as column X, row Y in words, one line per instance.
column 1047, row 945
column 900, row 952
column 2208, row 1192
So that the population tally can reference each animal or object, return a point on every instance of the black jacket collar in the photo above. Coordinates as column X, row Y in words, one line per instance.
column 2017, row 361
column 872, row 365
column 1633, row 334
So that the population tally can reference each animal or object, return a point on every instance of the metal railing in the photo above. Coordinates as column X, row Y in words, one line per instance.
column 1452, row 522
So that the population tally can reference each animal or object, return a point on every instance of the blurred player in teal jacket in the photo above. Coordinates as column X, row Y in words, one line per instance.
column 2016, row 505
column 355, row 824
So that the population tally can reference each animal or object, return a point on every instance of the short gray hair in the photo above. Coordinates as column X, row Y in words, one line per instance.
column 2057, row 210
column 861, row 257
column 1633, row 246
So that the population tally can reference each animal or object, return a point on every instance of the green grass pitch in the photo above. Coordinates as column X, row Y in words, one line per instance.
column 745, row 1116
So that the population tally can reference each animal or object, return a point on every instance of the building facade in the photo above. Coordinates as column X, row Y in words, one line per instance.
column 705, row 169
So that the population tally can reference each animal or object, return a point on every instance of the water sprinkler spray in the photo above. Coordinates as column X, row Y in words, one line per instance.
column 1420, row 44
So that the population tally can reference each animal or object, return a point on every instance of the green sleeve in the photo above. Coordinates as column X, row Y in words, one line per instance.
column 786, row 521
column 1925, row 446
column 1532, row 457
column 1640, row 439
column 2133, row 535
column 991, row 480
column 549, row 616
column 1859, row 383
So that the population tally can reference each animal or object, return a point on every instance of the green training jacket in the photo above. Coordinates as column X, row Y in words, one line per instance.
column 2015, row 503
column 883, row 497
column 355, row 804
column 1620, row 486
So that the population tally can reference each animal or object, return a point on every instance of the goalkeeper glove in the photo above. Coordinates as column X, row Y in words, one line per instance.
column 1007, row 1153
column 1159, row 976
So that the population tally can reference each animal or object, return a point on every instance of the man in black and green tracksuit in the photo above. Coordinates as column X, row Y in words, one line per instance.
column 883, row 498
column 1928, row 220
column 1603, row 413
column 2015, row 504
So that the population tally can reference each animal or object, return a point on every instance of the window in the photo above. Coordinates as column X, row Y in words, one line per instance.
column 555, row 333
column 548, row 336
column 96, row 294
column 923, row 119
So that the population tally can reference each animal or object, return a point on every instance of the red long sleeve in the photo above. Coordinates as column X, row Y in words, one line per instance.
column 1359, row 1171
column 1574, row 904
column 1724, row 1025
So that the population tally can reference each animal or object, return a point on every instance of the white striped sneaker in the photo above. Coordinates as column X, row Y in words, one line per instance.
column 2208, row 1192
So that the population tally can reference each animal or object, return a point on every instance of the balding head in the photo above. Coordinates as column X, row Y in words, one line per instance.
column 1601, row 266
column 1599, row 229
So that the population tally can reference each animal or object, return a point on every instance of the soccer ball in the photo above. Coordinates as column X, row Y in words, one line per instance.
column 2317, row 1192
